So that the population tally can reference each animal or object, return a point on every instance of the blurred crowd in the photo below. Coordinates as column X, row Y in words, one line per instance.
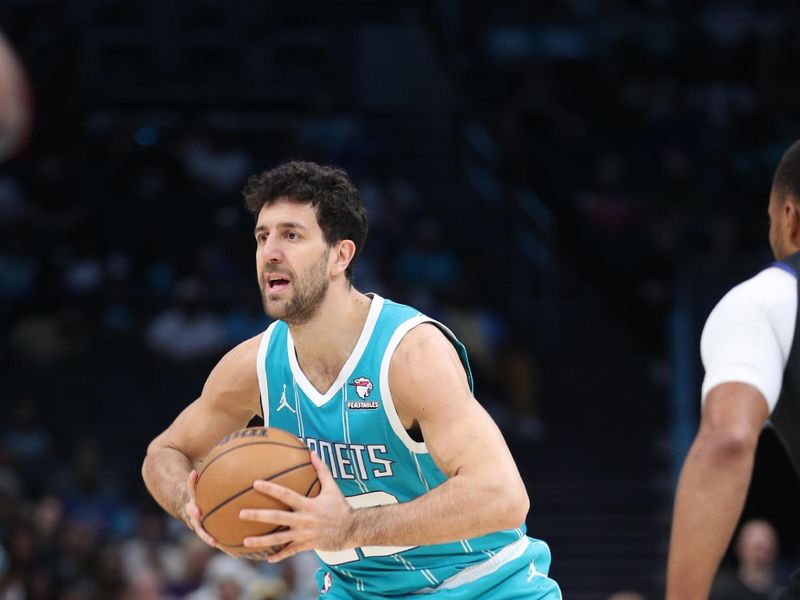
column 70, row 530
column 652, row 133
column 126, row 262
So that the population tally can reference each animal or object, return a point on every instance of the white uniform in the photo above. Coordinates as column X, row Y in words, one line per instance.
column 748, row 335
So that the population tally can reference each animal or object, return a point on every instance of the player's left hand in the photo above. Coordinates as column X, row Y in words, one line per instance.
column 319, row 523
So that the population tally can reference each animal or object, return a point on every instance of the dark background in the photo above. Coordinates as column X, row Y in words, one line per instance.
column 570, row 185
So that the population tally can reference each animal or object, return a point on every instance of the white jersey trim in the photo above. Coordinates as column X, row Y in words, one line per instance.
column 386, row 393
column 366, row 333
column 749, row 334
column 471, row 574
column 261, row 370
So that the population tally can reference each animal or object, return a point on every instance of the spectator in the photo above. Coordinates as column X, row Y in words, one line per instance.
column 11, row 498
column 145, row 585
column 196, row 558
column 28, row 441
column 214, row 161
column 230, row 579
column 152, row 549
column 88, row 492
column 48, row 523
column 756, row 549
column 187, row 330
column 427, row 262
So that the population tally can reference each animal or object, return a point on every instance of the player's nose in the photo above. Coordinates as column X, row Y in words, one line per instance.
column 270, row 251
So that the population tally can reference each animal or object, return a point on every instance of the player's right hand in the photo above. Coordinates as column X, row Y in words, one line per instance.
column 192, row 515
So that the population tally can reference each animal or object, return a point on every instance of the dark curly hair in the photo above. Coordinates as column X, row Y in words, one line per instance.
column 786, row 181
column 340, row 213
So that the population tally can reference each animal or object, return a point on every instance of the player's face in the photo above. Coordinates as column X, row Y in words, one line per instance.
column 292, row 261
column 775, row 216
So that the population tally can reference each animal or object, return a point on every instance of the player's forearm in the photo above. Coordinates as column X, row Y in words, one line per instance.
column 711, row 492
column 165, row 471
column 460, row 508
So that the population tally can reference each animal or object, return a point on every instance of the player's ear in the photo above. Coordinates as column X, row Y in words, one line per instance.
column 343, row 254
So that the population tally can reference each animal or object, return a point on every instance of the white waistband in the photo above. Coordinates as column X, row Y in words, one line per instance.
column 475, row 572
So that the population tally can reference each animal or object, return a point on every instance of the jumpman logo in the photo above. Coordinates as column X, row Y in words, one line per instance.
column 283, row 403
column 532, row 572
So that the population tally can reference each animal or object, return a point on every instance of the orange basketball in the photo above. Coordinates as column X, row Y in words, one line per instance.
column 225, row 484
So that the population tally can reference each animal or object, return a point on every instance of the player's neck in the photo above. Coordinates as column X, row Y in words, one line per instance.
column 325, row 342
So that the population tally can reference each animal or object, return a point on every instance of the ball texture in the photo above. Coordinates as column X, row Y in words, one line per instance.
column 225, row 484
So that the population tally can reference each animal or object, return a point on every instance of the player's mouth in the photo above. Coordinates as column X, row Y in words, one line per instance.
column 277, row 283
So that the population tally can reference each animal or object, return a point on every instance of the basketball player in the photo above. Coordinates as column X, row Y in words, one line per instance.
column 752, row 361
column 420, row 494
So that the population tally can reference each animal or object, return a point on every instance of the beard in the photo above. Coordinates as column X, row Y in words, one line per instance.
column 309, row 292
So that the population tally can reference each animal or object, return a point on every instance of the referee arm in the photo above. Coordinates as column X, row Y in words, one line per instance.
column 712, row 487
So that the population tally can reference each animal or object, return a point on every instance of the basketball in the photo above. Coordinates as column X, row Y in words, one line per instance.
column 225, row 484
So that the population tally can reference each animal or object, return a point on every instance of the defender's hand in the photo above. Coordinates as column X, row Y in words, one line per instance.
column 320, row 523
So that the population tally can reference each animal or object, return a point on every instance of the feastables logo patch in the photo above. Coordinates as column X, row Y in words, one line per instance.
column 364, row 388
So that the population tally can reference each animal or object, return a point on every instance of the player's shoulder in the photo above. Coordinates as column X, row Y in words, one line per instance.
column 395, row 313
column 774, row 286
column 424, row 350
column 247, row 347
column 241, row 358
column 424, row 335
column 235, row 377
column 417, row 334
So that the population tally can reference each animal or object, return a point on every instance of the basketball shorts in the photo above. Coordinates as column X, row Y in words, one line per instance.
column 523, row 578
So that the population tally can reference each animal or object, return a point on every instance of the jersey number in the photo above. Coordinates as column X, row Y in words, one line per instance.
column 341, row 557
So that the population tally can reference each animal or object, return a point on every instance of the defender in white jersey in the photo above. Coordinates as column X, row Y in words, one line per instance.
column 751, row 353
column 420, row 494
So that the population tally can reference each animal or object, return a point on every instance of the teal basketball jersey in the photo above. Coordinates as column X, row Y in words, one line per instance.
column 355, row 429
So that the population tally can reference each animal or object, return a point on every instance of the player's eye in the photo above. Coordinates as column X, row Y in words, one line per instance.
column 292, row 235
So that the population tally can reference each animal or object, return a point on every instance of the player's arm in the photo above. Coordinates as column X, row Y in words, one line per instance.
column 744, row 348
column 483, row 493
column 229, row 399
column 712, row 487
